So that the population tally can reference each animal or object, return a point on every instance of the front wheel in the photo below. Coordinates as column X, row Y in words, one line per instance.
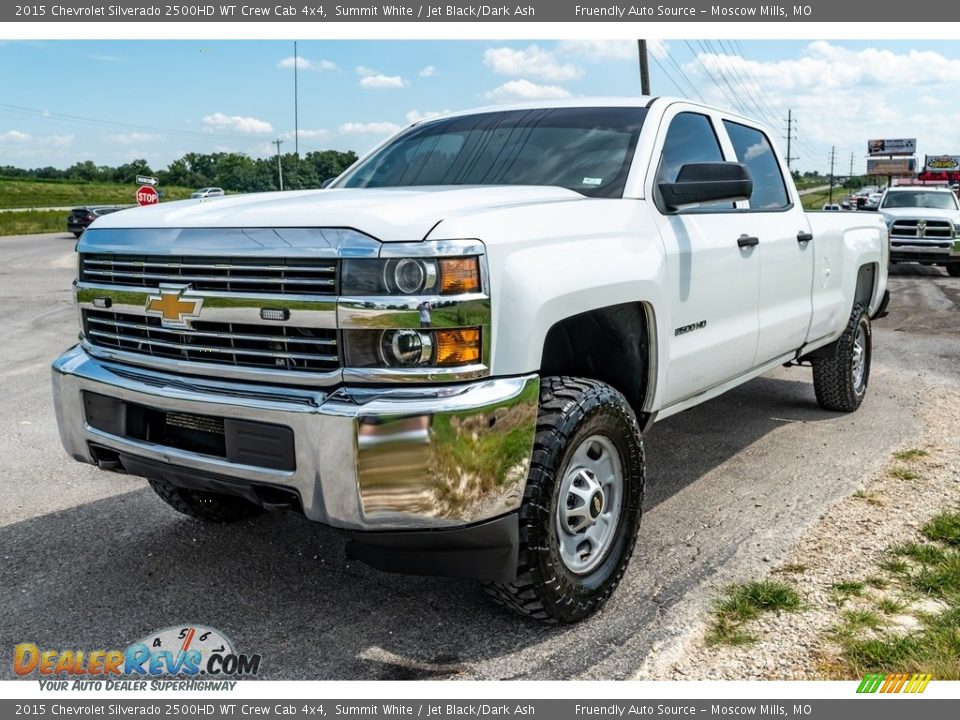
column 581, row 509
column 206, row 506
column 840, row 379
column 953, row 270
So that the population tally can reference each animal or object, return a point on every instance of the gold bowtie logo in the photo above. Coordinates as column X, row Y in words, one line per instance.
column 174, row 310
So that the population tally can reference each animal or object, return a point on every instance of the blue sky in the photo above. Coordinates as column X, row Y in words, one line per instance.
column 113, row 101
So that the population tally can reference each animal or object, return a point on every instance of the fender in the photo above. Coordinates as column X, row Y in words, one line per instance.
column 550, row 262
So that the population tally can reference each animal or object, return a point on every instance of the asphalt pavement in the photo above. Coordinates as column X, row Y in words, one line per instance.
column 95, row 560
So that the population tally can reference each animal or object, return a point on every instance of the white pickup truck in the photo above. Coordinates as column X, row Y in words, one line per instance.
column 451, row 354
column 924, row 226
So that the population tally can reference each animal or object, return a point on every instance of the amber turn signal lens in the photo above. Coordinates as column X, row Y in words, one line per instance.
column 459, row 275
column 458, row 347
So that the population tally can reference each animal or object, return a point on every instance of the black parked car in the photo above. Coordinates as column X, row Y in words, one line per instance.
column 81, row 217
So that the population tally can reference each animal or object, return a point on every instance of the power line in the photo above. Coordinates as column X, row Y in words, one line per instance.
column 667, row 75
column 683, row 75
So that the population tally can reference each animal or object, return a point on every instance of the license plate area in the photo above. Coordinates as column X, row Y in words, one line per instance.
column 238, row 441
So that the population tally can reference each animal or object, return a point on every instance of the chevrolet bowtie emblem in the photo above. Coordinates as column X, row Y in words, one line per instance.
column 174, row 310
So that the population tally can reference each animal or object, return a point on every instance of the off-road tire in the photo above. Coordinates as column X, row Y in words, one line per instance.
column 953, row 269
column 833, row 376
column 206, row 506
column 572, row 410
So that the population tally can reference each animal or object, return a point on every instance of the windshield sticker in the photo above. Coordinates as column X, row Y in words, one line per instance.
column 592, row 181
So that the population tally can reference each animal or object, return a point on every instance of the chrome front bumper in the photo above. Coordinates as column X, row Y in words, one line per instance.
column 402, row 458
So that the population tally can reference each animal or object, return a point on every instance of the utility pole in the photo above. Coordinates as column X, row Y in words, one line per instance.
column 296, row 109
column 644, row 67
column 279, row 165
column 851, row 165
column 833, row 157
column 791, row 125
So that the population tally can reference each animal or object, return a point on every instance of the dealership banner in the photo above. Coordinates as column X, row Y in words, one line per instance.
column 893, row 146
column 891, row 166
column 942, row 163
column 867, row 707
column 577, row 11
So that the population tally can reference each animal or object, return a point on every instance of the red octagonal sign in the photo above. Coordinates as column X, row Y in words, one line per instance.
column 147, row 195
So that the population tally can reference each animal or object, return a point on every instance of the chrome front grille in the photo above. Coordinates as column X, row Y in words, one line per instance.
column 294, row 276
column 922, row 229
column 274, row 347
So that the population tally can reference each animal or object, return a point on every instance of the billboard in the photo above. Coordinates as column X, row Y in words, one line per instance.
column 942, row 163
column 891, row 166
column 892, row 146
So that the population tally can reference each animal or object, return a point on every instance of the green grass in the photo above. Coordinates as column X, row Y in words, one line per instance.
column 910, row 454
column 902, row 473
column 30, row 222
column 935, row 650
column 923, row 553
column 843, row 590
column 793, row 569
column 944, row 528
column 56, row 193
column 747, row 602
column 929, row 569
column 895, row 566
column 891, row 606
column 875, row 581
column 815, row 201
column 939, row 580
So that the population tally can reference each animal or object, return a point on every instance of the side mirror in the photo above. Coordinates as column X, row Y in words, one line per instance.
column 327, row 183
column 699, row 183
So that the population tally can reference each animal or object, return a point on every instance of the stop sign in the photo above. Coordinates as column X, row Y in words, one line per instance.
column 147, row 195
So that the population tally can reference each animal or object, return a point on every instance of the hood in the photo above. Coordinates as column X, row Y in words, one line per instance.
column 387, row 214
column 920, row 214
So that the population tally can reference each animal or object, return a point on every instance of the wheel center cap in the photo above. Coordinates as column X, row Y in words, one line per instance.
column 596, row 505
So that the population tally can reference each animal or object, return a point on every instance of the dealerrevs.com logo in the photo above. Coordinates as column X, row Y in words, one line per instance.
column 187, row 657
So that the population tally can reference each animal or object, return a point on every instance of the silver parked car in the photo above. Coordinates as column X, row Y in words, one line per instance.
column 208, row 192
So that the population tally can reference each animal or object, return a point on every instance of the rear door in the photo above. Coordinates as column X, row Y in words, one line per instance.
column 712, row 286
column 786, row 246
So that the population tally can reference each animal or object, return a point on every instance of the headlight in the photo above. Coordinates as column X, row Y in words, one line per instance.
column 409, row 348
column 411, row 276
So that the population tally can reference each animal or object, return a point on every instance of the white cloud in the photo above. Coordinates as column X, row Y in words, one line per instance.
column 237, row 123
column 517, row 90
column 370, row 128
column 597, row 50
column 416, row 116
column 428, row 71
column 307, row 134
column 303, row 63
column 841, row 97
column 375, row 80
column 133, row 138
column 14, row 136
column 532, row 62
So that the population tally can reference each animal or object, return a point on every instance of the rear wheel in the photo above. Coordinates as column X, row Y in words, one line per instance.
column 953, row 270
column 840, row 380
column 581, row 509
column 206, row 506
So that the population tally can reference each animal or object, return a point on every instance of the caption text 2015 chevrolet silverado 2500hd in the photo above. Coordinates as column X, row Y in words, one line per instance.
column 450, row 355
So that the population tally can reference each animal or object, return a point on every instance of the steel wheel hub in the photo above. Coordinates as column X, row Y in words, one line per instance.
column 588, row 507
column 859, row 358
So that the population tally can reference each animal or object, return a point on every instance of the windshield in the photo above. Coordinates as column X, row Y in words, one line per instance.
column 584, row 149
column 920, row 199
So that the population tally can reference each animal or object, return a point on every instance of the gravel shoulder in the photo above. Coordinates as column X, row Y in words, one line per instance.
column 847, row 543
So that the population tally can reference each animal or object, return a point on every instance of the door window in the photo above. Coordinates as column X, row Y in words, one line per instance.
column 690, row 139
column 754, row 150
